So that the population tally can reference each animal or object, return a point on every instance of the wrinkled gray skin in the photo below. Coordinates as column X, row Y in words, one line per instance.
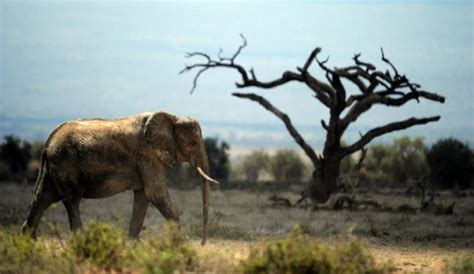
column 99, row 158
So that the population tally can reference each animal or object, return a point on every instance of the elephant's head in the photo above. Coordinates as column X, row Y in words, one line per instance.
column 180, row 139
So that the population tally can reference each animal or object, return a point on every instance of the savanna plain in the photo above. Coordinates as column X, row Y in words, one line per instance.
column 246, row 231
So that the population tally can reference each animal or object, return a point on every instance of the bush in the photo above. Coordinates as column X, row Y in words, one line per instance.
column 462, row 264
column 218, row 155
column 98, row 243
column 104, row 246
column 409, row 160
column 299, row 254
column 397, row 163
column 287, row 165
column 167, row 252
column 21, row 254
column 5, row 173
column 95, row 248
column 255, row 165
column 451, row 163
column 15, row 154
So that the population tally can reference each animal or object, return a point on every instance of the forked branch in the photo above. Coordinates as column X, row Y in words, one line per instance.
column 388, row 87
column 247, row 80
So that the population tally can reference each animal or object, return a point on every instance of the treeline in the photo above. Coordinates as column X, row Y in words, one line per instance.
column 19, row 160
column 448, row 163
column 254, row 171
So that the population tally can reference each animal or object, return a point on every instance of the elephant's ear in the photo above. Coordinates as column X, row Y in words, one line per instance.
column 159, row 133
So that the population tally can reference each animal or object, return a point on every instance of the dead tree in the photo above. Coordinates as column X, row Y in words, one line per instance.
column 373, row 87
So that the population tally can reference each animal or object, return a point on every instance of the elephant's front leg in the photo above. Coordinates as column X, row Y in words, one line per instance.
column 157, row 193
column 161, row 199
column 140, row 206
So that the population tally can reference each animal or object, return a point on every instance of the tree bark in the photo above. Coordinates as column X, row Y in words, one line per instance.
column 324, row 181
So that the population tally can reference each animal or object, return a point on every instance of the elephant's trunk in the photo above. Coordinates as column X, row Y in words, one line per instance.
column 202, row 166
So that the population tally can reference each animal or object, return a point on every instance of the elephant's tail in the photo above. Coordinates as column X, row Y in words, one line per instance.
column 43, row 170
column 44, row 165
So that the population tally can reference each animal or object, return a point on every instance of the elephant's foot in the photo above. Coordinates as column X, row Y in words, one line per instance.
column 28, row 230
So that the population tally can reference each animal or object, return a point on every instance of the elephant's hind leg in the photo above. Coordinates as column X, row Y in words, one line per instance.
column 140, row 206
column 73, row 213
column 42, row 201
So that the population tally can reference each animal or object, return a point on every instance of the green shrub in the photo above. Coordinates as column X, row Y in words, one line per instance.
column 451, row 163
column 21, row 254
column 298, row 253
column 98, row 243
column 461, row 264
column 254, row 165
column 286, row 165
column 167, row 252
column 104, row 246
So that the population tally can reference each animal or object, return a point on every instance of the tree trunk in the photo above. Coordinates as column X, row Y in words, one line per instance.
column 326, row 172
column 325, row 179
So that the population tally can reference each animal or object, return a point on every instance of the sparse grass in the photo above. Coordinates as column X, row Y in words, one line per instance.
column 218, row 230
column 240, row 220
column 298, row 253
column 463, row 264
column 100, row 247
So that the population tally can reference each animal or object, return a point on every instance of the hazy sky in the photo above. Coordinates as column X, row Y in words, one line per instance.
column 63, row 60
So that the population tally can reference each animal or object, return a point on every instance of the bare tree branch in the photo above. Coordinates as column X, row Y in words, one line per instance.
column 359, row 63
column 324, row 125
column 225, row 62
column 360, row 162
column 386, row 87
column 310, row 59
column 212, row 64
column 241, row 47
column 317, row 86
column 367, row 101
column 286, row 120
column 390, row 64
column 323, row 92
column 378, row 131
column 286, row 77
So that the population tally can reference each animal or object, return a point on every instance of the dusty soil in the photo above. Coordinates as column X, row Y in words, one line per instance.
column 406, row 259
column 239, row 220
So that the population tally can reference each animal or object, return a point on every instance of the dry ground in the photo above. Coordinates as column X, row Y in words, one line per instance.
column 239, row 219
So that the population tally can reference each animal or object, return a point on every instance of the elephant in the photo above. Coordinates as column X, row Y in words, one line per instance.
column 98, row 158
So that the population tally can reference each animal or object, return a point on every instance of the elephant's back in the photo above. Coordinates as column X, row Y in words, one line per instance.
column 95, row 137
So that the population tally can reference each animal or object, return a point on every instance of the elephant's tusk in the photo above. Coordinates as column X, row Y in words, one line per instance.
column 205, row 176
